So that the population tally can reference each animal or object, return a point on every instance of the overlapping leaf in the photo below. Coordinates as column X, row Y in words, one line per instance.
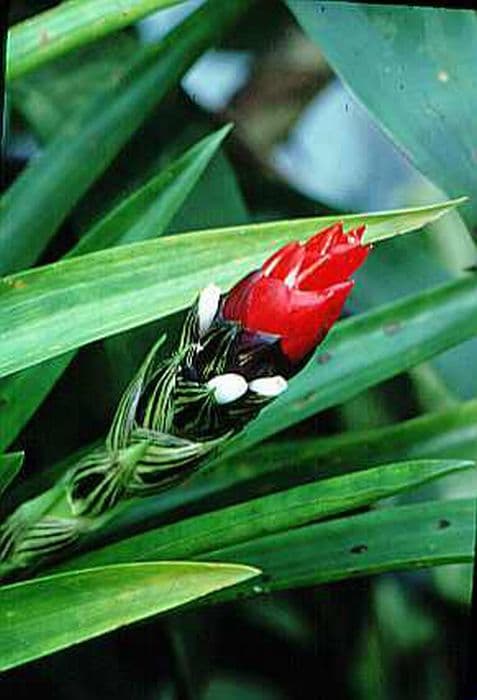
column 278, row 512
column 10, row 465
column 389, row 539
column 144, row 214
column 43, row 195
column 59, row 307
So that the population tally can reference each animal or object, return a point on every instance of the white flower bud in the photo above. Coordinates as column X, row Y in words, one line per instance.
column 208, row 304
column 227, row 387
column 268, row 386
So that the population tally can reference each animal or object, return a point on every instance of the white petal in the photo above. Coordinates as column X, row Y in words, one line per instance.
column 268, row 386
column 227, row 387
column 208, row 304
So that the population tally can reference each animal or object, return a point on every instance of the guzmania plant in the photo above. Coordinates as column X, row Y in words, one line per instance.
column 235, row 355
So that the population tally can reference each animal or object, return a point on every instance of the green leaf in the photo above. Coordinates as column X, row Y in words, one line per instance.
column 194, row 537
column 448, row 434
column 50, row 34
column 44, row 615
column 62, row 306
column 388, row 539
column 10, row 465
column 413, row 68
column 145, row 213
column 57, row 92
column 43, row 195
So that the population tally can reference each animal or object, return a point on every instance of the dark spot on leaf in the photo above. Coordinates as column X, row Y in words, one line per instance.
column 443, row 523
column 323, row 358
column 3, row 401
column 392, row 328
column 359, row 549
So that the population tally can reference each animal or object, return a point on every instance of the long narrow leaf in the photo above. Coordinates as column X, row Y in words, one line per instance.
column 275, row 466
column 47, row 614
column 147, row 212
column 48, row 311
column 194, row 537
column 50, row 34
column 390, row 539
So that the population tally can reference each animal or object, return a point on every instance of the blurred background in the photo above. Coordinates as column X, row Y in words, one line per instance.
column 301, row 145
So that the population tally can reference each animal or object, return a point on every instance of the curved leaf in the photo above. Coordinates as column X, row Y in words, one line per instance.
column 44, row 615
column 59, row 307
column 144, row 214
column 388, row 539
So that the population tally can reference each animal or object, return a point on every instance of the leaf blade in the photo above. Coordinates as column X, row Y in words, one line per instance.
column 122, row 285
column 411, row 93
column 44, row 615
column 52, row 33
column 195, row 537
column 360, row 545
column 144, row 214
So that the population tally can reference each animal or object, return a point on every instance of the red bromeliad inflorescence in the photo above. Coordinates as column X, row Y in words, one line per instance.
column 300, row 290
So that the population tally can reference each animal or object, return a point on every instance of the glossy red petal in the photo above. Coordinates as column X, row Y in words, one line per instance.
column 333, row 268
column 280, row 259
column 309, row 324
column 267, row 308
column 323, row 240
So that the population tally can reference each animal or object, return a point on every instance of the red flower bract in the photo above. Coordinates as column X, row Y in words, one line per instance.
column 299, row 292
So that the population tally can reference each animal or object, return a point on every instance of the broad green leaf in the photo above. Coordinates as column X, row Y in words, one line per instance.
column 388, row 539
column 413, row 68
column 62, row 306
column 9, row 467
column 194, row 537
column 44, row 615
column 50, row 34
column 144, row 214
column 43, row 195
